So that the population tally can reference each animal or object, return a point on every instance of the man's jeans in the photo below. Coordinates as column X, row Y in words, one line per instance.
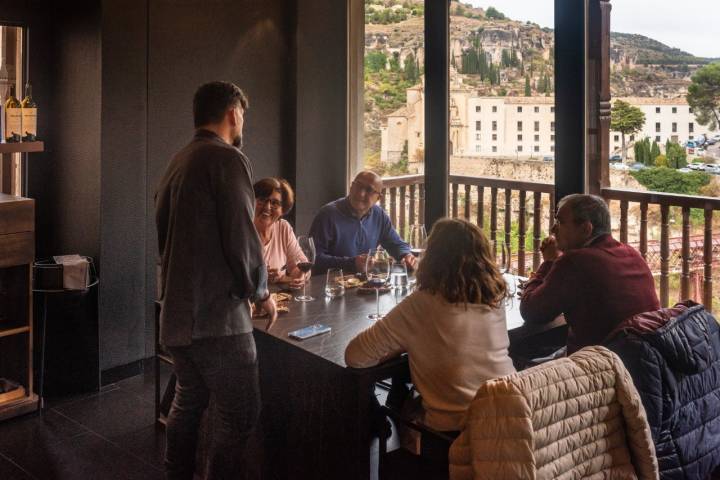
column 227, row 368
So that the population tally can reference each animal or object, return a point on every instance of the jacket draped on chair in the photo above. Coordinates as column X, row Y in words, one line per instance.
column 576, row 417
column 673, row 356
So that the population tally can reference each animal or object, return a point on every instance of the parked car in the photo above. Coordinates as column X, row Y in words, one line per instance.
column 714, row 169
column 716, row 137
column 637, row 166
column 700, row 151
column 690, row 144
column 548, row 158
column 697, row 166
column 684, row 170
column 711, row 141
column 619, row 166
column 616, row 158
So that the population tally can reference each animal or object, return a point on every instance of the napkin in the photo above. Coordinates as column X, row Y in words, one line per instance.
column 75, row 271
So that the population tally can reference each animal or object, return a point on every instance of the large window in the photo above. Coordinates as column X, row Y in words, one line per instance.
column 666, row 145
column 393, row 92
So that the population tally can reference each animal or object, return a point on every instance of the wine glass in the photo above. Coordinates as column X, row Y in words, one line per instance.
column 377, row 272
column 417, row 238
column 307, row 245
column 503, row 260
column 502, row 257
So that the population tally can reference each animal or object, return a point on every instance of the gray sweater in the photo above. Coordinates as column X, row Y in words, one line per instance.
column 211, row 256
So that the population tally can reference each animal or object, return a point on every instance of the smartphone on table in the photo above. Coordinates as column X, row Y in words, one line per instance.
column 309, row 331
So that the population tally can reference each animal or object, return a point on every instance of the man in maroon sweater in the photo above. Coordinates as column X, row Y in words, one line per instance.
column 596, row 281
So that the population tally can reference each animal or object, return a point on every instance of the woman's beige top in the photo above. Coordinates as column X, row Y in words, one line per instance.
column 452, row 350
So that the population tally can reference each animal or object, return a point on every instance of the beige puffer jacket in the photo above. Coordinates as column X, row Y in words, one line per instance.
column 572, row 418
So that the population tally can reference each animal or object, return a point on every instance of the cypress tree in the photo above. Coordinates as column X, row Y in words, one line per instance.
column 527, row 86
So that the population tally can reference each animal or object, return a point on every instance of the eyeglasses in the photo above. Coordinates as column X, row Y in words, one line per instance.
column 276, row 204
column 366, row 188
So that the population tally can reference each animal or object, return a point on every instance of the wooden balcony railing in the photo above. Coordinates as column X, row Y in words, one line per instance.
column 502, row 209
column 476, row 199
column 685, row 255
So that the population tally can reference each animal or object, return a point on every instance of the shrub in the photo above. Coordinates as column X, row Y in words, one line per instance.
column 669, row 180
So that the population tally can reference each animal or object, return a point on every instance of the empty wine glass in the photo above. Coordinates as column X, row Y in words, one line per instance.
column 503, row 260
column 502, row 257
column 417, row 238
column 377, row 271
column 307, row 245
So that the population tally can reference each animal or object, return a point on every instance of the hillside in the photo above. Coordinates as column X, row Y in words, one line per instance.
column 496, row 55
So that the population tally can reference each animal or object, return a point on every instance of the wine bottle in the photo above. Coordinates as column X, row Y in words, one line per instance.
column 29, row 115
column 13, row 118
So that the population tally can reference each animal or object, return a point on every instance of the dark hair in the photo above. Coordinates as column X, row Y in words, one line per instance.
column 213, row 99
column 459, row 265
column 588, row 208
column 265, row 187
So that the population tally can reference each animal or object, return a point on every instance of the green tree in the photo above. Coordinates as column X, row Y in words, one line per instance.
column 410, row 71
column 528, row 92
column 654, row 152
column 704, row 95
column 505, row 58
column 493, row 13
column 395, row 62
column 676, row 155
column 661, row 179
column 375, row 61
column 627, row 120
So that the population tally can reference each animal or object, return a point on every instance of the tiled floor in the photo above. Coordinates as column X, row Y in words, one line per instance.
column 106, row 435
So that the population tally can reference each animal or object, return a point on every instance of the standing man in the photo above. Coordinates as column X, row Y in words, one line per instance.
column 211, row 267
column 596, row 281
column 346, row 229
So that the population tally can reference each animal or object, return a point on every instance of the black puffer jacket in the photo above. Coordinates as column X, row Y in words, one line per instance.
column 673, row 356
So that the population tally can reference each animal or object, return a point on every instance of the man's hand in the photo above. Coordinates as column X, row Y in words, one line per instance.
column 269, row 306
column 360, row 262
column 549, row 249
column 410, row 261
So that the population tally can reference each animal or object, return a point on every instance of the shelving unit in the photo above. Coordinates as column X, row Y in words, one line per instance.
column 10, row 164
column 17, row 242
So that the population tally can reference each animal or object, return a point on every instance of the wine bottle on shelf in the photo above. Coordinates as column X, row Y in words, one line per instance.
column 13, row 118
column 29, row 116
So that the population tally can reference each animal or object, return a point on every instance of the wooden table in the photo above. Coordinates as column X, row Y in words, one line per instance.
column 316, row 410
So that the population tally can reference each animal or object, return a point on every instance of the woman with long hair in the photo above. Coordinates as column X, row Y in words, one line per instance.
column 452, row 327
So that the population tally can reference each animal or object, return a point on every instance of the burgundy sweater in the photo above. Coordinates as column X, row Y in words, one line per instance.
column 596, row 287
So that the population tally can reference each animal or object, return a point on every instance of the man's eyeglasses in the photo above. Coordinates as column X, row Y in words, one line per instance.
column 276, row 204
column 366, row 188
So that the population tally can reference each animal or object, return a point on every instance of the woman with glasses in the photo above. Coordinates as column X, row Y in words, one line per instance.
column 274, row 198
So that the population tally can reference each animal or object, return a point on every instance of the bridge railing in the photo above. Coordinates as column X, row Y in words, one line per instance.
column 502, row 207
column 506, row 208
column 689, row 245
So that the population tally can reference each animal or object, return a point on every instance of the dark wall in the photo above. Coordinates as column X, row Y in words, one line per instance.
column 123, row 183
column 321, row 168
column 65, row 181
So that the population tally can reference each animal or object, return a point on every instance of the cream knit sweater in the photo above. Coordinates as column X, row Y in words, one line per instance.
column 452, row 350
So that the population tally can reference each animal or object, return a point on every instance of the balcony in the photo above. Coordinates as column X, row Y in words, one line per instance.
column 518, row 214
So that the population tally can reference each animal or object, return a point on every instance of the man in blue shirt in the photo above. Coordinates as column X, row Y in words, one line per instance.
column 346, row 229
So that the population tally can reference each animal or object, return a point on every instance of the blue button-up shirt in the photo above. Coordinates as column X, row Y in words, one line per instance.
column 340, row 236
